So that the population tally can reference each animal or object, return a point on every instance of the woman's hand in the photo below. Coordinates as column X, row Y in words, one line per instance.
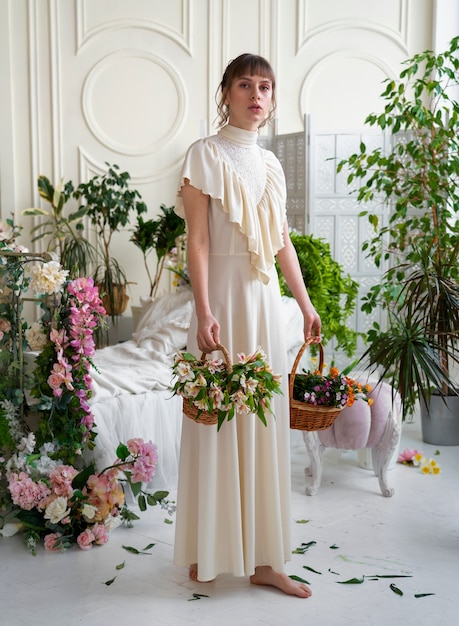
column 311, row 326
column 208, row 335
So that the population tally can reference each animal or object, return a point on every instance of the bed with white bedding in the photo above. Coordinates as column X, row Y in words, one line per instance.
column 132, row 383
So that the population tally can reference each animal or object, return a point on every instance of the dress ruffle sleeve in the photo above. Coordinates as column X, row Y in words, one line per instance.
column 262, row 224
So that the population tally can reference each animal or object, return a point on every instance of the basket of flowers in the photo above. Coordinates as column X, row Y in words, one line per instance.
column 316, row 400
column 213, row 390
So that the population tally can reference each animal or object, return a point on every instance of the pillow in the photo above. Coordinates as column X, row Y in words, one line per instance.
column 163, row 325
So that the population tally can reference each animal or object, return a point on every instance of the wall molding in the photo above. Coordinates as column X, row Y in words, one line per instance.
column 398, row 37
column 85, row 35
column 145, row 147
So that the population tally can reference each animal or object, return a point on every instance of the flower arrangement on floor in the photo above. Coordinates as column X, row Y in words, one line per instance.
column 415, row 458
column 47, row 490
column 215, row 386
column 65, row 506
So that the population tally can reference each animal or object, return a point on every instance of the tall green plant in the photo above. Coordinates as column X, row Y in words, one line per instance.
column 64, row 232
column 158, row 234
column 418, row 178
column 109, row 203
column 333, row 293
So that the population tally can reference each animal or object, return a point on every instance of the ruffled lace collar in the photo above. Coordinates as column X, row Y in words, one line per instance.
column 239, row 136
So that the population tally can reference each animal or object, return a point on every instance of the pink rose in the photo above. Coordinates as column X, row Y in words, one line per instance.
column 85, row 539
column 51, row 542
column 100, row 534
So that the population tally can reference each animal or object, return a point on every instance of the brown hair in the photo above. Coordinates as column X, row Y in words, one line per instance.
column 252, row 65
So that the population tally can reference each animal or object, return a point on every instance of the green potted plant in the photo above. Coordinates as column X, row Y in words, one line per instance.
column 418, row 179
column 161, row 235
column 65, row 233
column 333, row 293
column 109, row 203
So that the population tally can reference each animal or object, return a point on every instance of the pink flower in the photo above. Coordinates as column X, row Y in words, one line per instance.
column 100, row 534
column 407, row 456
column 61, row 480
column 25, row 493
column 85, row 539
column 51, row 540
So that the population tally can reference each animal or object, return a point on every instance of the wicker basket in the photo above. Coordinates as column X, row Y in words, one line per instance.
column 203, row 417
column 305, row 416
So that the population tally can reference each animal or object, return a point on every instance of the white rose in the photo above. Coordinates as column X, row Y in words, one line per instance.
column 88, row 512
column 57, row 510
column 35, row 337
column 112, row 522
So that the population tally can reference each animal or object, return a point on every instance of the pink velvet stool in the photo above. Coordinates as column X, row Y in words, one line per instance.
column 357, row 427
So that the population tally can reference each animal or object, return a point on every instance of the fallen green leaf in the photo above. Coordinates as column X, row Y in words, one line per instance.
column 168, row 521
column 150, row 545
column 437, row 452
column 311, row 569
column 135, row 551
column 423, row 595
column 396, row 590
column 131, row 549
column 197, row 596
column 334, row 547
column 332, row 572
column 121, row 565
column 299, row 580
column 304, row 546
column 351, row 581
column 110, row 582
column 302, row 521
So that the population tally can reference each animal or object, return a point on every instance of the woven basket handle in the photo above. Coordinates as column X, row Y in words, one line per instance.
column 297, row 360
column 229, row 365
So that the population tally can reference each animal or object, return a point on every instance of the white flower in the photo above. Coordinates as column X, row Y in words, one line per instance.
column 6, row 232
column 57, row 510
column 35, row 336
column 88, row 512
column 27, row 444
column 11, row 529
column 45, row 465
column 47, row 278
column 112, row 522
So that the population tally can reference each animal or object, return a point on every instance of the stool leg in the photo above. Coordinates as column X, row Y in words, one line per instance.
column 315, row 449
column 382, row 454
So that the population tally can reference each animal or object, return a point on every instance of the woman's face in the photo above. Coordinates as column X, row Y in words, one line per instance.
column 249, row 101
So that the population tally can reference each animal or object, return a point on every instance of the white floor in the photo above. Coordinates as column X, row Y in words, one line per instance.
column 415, row 533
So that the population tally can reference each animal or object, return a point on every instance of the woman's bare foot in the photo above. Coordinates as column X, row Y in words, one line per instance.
column 193, row 572
column 265, row 575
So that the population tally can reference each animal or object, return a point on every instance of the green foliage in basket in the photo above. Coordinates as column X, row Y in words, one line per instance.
column 214, row 385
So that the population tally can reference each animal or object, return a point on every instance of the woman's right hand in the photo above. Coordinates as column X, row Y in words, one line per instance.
column 208, row 335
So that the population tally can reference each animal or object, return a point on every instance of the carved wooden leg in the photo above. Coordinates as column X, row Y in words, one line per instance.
column 315, row 450
column 382, row 454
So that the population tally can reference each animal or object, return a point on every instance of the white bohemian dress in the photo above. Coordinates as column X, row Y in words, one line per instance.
column 233, row 500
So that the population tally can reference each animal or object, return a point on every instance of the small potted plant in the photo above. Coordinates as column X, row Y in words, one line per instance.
column 418, row 178
column 65, row 233
column 160, row 235
column 110, row 203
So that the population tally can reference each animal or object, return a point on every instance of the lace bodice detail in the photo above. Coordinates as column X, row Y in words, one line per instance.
column 248, row 163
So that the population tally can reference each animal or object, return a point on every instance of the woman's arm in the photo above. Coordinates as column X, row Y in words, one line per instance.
column 290, row 268
column 196, row 206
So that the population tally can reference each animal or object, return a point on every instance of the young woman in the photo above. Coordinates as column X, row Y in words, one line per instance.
column 233, row 502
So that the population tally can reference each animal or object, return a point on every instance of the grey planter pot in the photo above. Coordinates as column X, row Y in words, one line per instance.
column 441, row 428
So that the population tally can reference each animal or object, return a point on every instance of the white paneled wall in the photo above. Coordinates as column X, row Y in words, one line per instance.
column 133, row 82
